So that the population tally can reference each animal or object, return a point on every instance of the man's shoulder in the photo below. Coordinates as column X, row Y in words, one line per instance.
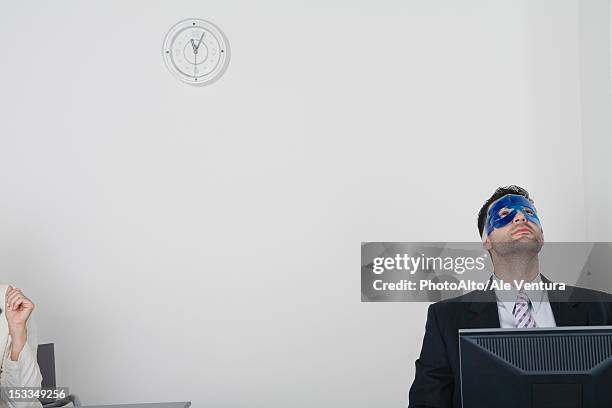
column 578, row 294
column 449, row 307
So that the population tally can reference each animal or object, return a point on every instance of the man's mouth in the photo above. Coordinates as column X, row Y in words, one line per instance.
column 522, row 230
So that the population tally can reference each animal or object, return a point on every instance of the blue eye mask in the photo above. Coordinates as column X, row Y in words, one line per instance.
column 512, row 203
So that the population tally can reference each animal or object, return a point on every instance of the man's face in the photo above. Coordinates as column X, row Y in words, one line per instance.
column 512, row 224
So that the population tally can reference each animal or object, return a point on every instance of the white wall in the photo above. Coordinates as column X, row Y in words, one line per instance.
column 203, row 243
column 596, row 115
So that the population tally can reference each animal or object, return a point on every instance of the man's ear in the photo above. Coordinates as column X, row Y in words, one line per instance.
column 486, row 243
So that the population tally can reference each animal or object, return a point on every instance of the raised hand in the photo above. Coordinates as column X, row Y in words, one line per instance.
column 18, row 308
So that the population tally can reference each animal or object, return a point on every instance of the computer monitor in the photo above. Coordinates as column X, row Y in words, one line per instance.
column 562, row 367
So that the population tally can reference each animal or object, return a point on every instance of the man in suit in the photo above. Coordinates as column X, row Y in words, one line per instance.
column 512, row 233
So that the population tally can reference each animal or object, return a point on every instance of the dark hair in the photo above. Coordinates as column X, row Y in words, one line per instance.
column 499, row 193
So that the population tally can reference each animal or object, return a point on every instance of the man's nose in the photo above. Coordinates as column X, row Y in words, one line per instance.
column 519, row 217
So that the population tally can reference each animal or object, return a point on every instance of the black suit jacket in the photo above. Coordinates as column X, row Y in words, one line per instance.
column 437, row 383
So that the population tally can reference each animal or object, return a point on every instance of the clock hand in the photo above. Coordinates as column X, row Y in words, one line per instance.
column 200, row 42
column 195, row 64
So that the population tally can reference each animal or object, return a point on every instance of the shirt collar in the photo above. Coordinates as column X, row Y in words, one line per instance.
column 507, row 298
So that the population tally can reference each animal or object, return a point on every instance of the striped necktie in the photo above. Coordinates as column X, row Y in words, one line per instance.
column 522, row 314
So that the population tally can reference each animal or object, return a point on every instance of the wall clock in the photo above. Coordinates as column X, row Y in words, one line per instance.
column 196, row 51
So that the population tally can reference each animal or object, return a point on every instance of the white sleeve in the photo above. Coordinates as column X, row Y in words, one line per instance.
column 24, row 372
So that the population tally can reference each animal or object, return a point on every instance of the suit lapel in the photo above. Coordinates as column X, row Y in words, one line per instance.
column 566, row 311
column 482, row 311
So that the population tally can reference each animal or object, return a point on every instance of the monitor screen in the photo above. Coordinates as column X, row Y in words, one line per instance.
column 563, row 367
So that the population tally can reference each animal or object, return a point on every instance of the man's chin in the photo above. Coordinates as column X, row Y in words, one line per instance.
column 523, row 243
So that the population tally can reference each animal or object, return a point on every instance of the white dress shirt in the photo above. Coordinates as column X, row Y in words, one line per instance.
column 540, row 306
column 25, row 371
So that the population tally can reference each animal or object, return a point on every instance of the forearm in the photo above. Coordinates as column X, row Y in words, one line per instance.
column 19, row 336
column 19, row 365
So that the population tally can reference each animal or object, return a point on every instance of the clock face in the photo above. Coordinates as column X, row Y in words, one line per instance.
column 196, row 51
